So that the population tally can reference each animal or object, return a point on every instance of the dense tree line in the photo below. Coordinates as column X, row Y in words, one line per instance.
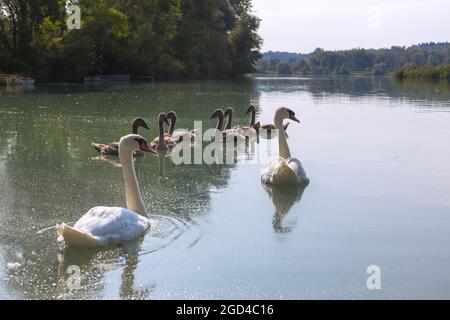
column 344, row 62
column 167, row 39
column 284, row 56
column 440, row 72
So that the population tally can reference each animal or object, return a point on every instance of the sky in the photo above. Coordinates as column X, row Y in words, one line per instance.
column 303, row 25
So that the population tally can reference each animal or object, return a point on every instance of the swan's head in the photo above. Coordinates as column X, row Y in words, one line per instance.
column 286, row 113
column 251, row 109
column 217, row 114
column 162, row 118
column 139, row 122
column 229, row 112
column 134, row 142
column 172, row 116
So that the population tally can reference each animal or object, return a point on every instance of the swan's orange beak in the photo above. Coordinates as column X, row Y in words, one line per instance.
column 146, row 148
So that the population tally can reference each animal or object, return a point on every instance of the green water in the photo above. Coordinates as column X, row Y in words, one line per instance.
column 377, row 153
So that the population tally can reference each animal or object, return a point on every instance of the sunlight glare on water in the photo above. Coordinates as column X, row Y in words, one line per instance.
column 377, row 153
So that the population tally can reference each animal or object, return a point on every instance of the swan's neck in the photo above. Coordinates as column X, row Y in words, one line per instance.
column 162, row 141
column 172, row 126
column 220, row 123
column 230, row 120
column 282, row 141
column 132, row 192
column 253, row 118
column 135, row 128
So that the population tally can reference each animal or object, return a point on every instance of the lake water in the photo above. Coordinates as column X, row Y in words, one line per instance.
column 377, row 153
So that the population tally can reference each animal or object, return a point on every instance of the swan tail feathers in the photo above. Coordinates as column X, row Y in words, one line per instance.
column 98, row 146
column 283, row 174
column 75, row 238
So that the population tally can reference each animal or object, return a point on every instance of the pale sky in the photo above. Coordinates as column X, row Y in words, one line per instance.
column 303, row 25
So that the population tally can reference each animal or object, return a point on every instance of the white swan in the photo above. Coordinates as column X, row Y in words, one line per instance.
column 103, row 226
column 285, row 169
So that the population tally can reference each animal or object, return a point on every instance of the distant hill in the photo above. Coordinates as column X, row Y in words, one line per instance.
column 354, row 61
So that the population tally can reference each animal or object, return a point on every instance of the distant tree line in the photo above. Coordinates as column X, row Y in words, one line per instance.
column 284, row 56
column 440, row 72
column 167, row 39
column 344, row 62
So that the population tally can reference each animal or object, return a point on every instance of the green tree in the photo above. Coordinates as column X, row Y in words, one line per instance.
column 164, row 38
column 284, row 69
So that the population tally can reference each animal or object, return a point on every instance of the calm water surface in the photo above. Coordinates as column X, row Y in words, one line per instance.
column 377, row 153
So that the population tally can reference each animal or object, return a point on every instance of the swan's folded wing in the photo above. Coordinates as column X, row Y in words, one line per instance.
column 233, row 135
column 181, row 135
column 297, row 167
column 109, row 149
column 267, row 172
column 247, row 131
column 113, row 224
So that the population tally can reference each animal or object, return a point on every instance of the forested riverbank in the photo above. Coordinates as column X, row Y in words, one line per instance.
column 441, row 72
column 354, row 61
column 165, row 39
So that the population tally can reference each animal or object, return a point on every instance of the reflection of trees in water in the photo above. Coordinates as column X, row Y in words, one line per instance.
column 49, row 176
column 429, row 91
column 181, row 189
column 283, row 198
column 6, row 132
column 360, row 86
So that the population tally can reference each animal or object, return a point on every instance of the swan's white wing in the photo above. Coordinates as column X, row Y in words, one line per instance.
column 112, row 224
column 267, row 173
column 297, row 167
column 284, row 171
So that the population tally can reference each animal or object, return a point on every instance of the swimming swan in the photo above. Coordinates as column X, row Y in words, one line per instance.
column 285, row 169
column 226, row 134
column 104, row 226
column 251, row 131
column 162, row 142
column 181, row 134
column 112, row 149
column 267, row 127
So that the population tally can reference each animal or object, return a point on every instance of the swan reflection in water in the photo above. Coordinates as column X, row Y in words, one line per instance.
column 93, row 264
column 284, row 197
column 115, row 162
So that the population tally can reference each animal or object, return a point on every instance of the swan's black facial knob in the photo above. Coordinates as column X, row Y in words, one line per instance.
column 292, row 115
